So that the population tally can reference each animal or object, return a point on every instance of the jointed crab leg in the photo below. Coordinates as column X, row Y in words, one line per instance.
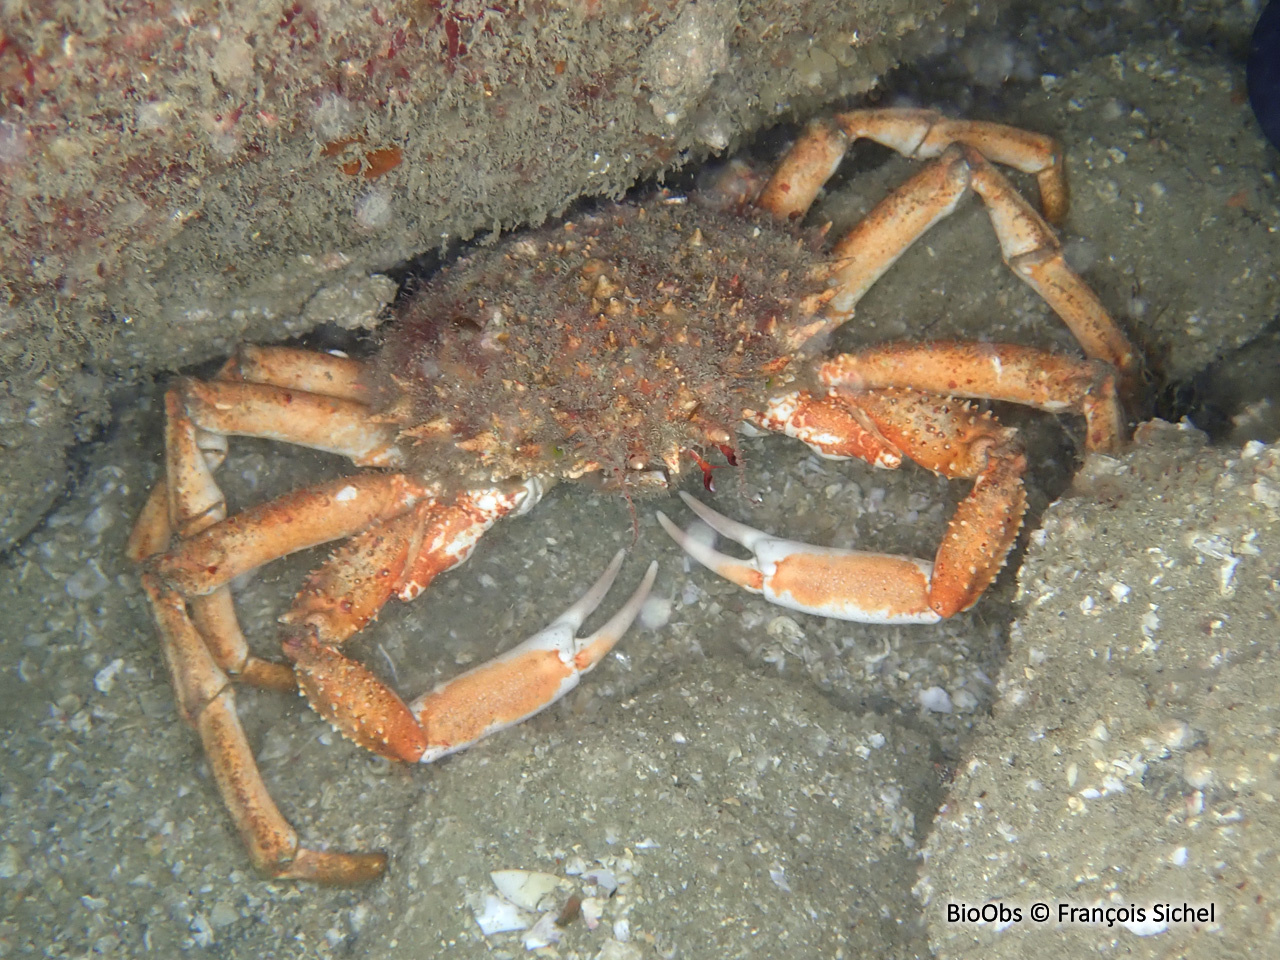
column 196, row 503
column 325, row 374
column 320, row 374
column 799, row 176
column 831, row 426
column 942, row 435
column 304, row 518
column 214, row 616
column 845, row 584
column 925, row 134
column 991, row 371
column 921, row 134
column 207, row 701
column 345, row 593
column 964, row 151
column 1027, row 244
column 498, row 694
column 331, row 424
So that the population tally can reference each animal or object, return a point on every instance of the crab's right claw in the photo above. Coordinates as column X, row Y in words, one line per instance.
column 829, row 582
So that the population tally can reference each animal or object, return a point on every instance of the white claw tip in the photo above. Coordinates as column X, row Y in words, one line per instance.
column 580, row 610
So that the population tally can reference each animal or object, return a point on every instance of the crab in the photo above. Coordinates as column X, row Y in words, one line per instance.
column 610, row 349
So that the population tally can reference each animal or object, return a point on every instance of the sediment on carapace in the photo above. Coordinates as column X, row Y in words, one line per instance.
column 620, row 339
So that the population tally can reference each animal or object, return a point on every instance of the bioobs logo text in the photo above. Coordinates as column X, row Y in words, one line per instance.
column 991, row 912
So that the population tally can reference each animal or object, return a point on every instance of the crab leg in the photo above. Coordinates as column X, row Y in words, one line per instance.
column 192, row 455
column 291, row 369
column 331, row 424
column 202, row 642
column 918, row 134
column 207, row 701
column 941, row 435
column 810, row 162
column 214, row 616
column 325, row 374
column 925, row 134
column 1027, row 244
column 830, row 426
column 304, row 518
column 964, row 151
column 500, row 693
column 844, row 584
column 990, row 371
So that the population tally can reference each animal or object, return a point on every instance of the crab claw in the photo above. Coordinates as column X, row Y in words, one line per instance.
column 527, row 678
column 829, row 582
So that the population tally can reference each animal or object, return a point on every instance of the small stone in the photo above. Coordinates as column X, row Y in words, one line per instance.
column 935, row 700
column 105, row 678
column 223, row 915
column 10, row 863
column 87, row 582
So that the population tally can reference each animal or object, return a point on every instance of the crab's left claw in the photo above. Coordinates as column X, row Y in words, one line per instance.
column 829, row 582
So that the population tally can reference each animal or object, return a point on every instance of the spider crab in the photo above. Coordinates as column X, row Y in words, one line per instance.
column 607, row 348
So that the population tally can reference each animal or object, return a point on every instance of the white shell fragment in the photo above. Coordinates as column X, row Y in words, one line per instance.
column 525, row 888
column 543, row 933
column 935, row 700
column 604, row 878
column 496, row 915
column 592, row 911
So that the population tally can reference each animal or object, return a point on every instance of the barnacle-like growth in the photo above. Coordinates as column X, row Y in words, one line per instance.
column 608, row 345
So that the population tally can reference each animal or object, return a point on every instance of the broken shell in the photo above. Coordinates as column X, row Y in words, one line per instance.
column 525, row 888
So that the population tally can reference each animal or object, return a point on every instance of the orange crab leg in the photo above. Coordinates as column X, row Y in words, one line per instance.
column 331, row 424
column 991, row 371
column 942, row 435
column 1034, row 255
column 925, row 134
column 874, row 245
column 1027, row 244
column 964, row 151
column 504, row 691
column 195, row 500
column 285, row 367
column 830, row 426
column 325, row 374
column 215, row 618
column 810, row 162
column 304, row 518
column 192, row 455
column 207, row 702
column 151, row 532
column 919, row 134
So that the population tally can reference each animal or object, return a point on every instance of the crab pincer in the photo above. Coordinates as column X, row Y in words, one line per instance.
column 529, row 677
column 827, row 581
column 500, row 693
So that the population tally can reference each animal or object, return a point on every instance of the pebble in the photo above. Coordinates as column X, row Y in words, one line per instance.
column 935, row 700
column 87, row 582
column 105, row 678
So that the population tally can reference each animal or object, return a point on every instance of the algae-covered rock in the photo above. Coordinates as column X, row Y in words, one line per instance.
column 174, row 179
